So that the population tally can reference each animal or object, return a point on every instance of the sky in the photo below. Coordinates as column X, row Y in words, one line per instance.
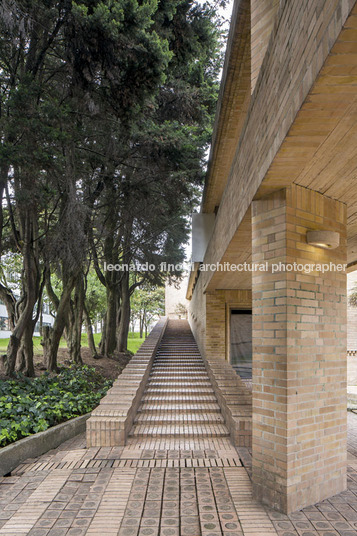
column 226, row 13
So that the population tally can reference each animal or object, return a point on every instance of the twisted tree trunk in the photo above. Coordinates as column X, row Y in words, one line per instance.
column 60, row 322
column 124, row 324
column 31, row 290
column 89, row 330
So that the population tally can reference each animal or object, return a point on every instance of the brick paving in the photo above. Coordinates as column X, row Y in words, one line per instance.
column 178, row 475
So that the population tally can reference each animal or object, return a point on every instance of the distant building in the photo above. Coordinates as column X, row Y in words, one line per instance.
column 5, row 332
column 176, row 304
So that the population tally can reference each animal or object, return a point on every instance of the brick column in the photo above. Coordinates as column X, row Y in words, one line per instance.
column 299, row 353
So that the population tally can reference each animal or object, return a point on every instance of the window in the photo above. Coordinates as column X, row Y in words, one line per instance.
column 4, row 323
column 241, row 350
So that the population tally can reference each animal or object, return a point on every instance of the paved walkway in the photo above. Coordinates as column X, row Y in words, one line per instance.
column 179, row 475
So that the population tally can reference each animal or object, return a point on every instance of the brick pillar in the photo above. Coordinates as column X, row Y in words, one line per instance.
column 299, row 353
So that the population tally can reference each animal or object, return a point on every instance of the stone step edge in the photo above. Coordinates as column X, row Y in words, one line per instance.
column 141, row 421
column 237, row 416
column 154, row 411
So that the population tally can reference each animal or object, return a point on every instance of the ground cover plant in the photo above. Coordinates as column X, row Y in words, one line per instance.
column 28, row 406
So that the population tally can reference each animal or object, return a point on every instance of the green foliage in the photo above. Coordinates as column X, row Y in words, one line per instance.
column 150, row 301
column 28, row 406
column 147, row 304
column 10, row 269
column 95, row 296
column 181, row 309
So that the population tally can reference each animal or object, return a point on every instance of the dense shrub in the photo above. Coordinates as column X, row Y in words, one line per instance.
column 29, row 405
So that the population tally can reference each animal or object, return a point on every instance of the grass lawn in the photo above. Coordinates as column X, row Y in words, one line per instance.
column 134, row 343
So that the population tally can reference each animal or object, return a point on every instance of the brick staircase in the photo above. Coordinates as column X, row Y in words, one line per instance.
column 179, row 400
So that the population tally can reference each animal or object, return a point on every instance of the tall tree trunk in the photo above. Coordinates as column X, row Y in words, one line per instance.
column 59, row 324
column 109, row 340
column 9, row 300
column 123, row 331
column 25, row 353
column 89, row 330
column 31, row 285
column 47, row 332
column 4, row 171
column 75, row 321
column 141, row 326
column 24, row 358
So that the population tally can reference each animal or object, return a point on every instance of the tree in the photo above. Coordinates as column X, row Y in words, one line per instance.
column 181, row 310
column 57, row 60
column 147, row 304
column 158, row 168
column 106, row 114
column 94, row 307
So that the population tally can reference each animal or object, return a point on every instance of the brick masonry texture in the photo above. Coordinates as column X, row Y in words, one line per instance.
column 211, row 325
column 299, row 353
column 263, row 16
column 351, row 316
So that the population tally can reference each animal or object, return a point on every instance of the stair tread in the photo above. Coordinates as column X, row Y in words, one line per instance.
column 179, row 399
column 214, row 430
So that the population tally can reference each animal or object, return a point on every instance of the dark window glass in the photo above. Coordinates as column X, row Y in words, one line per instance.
column 241, row 342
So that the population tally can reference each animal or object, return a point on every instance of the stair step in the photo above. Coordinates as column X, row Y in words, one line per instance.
column 192, row 369
column 180, row 368
column 179, row 360
column 176, row 376
column 172, row 431
column 171, row 383
column 181, row 398
column 179, row 407
column 176, row 391
column 180, row 419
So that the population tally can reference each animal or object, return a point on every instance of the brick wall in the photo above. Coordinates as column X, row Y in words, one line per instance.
column 299, row 353
column 351, row 333
column 263, row 13
column 209, row 318
column 197, row 315
column 351, row 314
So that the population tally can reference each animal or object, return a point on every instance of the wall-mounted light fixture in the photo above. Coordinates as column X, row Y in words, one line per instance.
column 323, row 239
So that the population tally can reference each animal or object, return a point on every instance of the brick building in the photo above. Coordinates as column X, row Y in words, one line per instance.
column 283, row 164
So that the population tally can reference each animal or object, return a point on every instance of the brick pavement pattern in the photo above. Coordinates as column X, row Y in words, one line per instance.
column 178, row 475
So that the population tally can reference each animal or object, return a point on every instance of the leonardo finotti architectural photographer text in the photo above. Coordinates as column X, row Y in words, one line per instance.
column 229, row 267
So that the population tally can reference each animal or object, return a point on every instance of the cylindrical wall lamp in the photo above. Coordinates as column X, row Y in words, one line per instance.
column 323, row 239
